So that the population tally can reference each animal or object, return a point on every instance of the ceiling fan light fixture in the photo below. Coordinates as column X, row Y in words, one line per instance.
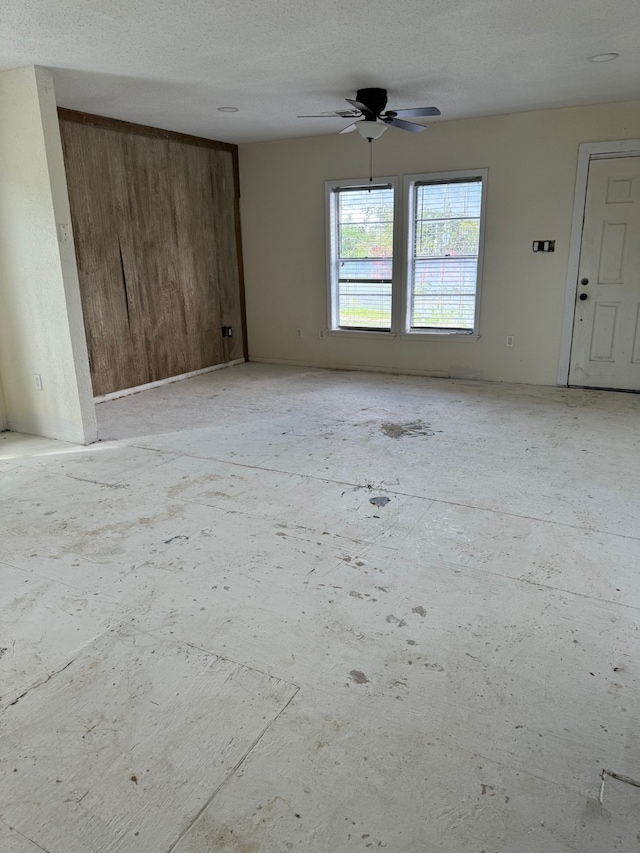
column 370, row 129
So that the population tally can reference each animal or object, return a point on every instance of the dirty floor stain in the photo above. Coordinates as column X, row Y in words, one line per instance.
column 414, row 428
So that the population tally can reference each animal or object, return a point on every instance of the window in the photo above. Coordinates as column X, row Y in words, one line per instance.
column 445, row 252
column 437, row 293
column 363, row 231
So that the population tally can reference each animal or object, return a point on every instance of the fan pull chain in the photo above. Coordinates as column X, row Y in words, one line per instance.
column 370, row 162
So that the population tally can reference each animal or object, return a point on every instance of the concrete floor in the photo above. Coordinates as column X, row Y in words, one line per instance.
column 282, row 609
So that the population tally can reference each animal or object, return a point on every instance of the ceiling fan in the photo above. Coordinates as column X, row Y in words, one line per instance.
column 372, row 118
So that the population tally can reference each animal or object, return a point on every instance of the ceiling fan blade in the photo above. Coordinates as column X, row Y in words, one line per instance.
column 334, row 114
column 416, row 111
column 363, row 108
column 404, row 125
column 349, row 128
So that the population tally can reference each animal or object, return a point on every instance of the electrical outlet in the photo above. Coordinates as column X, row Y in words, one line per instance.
column 299, row 332
column 37, row 381
column 544, row 245
column 322, row 333
column 510, row 340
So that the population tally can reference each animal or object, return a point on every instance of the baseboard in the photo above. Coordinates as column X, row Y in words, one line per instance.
column 125, row 392
column 408, row 371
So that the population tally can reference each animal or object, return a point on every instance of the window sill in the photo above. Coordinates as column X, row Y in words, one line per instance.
column 458, row 337
column 405, row 336
column 361, row 333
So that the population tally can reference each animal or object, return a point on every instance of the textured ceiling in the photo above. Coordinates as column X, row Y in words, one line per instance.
column 171, row 64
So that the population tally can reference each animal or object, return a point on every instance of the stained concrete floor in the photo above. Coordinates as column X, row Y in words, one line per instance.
column 282, row 609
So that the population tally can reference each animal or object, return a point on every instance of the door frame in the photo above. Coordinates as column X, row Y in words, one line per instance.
column 587, row 152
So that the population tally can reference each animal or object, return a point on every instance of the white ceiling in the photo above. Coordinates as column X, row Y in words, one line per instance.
column 172, row 64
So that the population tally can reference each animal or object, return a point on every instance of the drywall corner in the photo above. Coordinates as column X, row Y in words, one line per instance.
column 43, row 355
column 62, row 211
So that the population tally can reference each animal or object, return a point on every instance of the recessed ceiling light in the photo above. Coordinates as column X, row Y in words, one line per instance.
column 603, row 57
column 228, row 109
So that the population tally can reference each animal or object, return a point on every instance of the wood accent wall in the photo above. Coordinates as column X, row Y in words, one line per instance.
column 156, row 229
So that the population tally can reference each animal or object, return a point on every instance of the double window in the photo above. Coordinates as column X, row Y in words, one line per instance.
column 420, row 278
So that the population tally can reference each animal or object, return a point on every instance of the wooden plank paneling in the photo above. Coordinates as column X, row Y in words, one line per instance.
column 92, row 158
column 139, row 367
column 196, row 247
column 155, row 228
column 150, row 255
column 239, row 254
column 223, row 195
column 91, row 120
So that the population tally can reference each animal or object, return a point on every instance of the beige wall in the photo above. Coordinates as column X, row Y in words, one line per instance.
column 531, row 159
column 3, row 411
column 41, row 328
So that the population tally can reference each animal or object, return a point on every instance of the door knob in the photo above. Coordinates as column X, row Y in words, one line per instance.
column 583, row 296
column 584, row 281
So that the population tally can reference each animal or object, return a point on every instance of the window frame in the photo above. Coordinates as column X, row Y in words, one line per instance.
column 409, row 206
column 393, row 182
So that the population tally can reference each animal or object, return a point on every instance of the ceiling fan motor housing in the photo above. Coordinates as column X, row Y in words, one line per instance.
column 375, row 100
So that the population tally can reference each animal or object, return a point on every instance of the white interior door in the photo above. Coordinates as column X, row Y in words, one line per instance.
column 605, row 351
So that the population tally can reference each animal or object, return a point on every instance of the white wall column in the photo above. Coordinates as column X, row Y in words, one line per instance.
column 41, row 328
